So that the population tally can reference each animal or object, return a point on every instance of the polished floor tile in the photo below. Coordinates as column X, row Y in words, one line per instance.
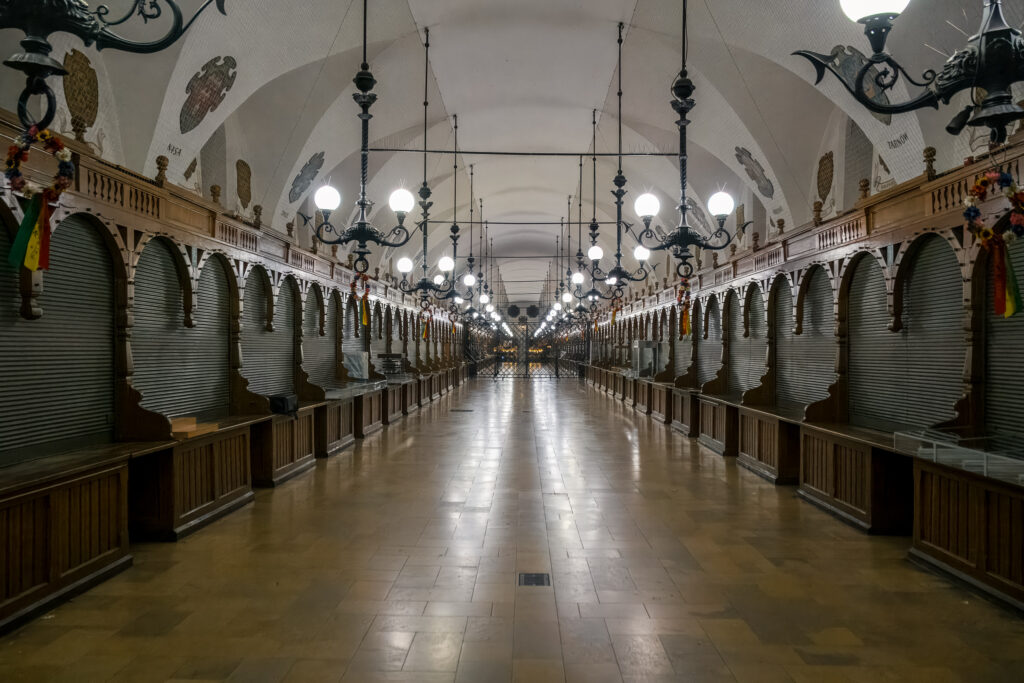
column 398, row 561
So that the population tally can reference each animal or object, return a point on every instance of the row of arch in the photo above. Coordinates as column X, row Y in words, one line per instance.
column 919, row 349
column 168, row 330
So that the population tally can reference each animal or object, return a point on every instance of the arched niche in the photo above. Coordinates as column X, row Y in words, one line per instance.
column 748, row 341
column 873, row 352
column 805, row 362
column 180, row 370
column 709, row 343
column 320, row 322
column 931, row 286
column 268, row 344
column 58, row 371
column 1003, row 374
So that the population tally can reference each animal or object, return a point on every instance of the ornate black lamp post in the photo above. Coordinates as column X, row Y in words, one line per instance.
column 39, row 18
column 991, row 63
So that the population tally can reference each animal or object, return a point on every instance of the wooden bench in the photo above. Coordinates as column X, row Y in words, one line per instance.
column 719, row 423
column 769, row 441
column 284, row 446
column 855, row 474
column 63, row 526
column 177, row 490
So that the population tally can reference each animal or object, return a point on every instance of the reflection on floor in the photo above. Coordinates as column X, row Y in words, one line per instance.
column 399, row 560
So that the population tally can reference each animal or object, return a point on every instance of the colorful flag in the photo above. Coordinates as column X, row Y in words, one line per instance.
column 31, row 247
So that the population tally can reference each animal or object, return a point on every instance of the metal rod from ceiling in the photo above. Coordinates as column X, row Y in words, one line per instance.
column 515, row 153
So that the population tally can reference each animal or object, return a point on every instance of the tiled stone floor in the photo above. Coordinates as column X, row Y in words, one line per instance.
column 398, row 561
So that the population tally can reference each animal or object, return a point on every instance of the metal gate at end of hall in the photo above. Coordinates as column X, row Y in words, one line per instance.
column 525, row 356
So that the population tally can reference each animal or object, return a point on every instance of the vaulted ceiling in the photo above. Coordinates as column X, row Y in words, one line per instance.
column 270, row 85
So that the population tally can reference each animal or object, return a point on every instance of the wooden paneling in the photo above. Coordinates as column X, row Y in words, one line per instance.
column 369, row 412
column 283, row 447
column 971, row 526
column 859, row 481
column 61, row 538
column 411, row 397
column 685, row 412
column 719, row 426
column 176, row 491
column 661, row 402
column 335, row 427
column 393, row 404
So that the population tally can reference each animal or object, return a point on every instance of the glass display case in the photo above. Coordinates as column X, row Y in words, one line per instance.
column 983, row 456
column 645, row 359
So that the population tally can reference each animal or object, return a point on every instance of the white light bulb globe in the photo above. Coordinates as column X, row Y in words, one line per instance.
column 641, row 253
column 405, row 265
column 611, row 281
column 327, row 198
column 566, row 297
column 647, row 205
column 438, row 279
column 484, row 298
column 595, row 253
column 469, row 280
column 577, row 278
column 475, row 315
column 558, row 306
column 721, row 204
column 446, row 263
column 490, row 308
column 401, row 201
column 458, row 300
column 861, row 9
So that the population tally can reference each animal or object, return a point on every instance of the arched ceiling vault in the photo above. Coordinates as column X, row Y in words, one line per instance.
column 271, row 86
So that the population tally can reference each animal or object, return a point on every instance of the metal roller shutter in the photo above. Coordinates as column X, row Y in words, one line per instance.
column 179, row 371
column 58, row 371
column 747, row 355
column 318, row 352
column 709, row 351
column 1004, row 374
column 268, row 357
column 351, row 343
column 807, row 361
column 787, row 387
column 875, row 353
column 684, row 353
column 933, row 336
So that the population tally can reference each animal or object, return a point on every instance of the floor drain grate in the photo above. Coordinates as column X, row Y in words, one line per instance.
column 535, row 579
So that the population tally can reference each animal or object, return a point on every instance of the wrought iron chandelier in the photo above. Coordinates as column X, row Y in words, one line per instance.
column 679, row 241
column 38, row 19
column 989, row 65
column 441, row 287
column 327, row 199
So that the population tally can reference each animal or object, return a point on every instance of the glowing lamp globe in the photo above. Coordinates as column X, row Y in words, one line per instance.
column 446, row 263
column 611, row 281
column 405, row 265
column 438, row 279
column 327, row 198
column 595, row 253
column 484, row 298
column 641, row 253
column 566, row 297
column 490, row 308
column 458, row 300
column 469, row 280
column 721, row 204
column 401, row 201
column 577, row 278
column 859, row 10
column 647, row 205
column 557, row 306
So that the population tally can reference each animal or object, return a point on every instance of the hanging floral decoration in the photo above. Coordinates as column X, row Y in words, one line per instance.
column 683, row 299
column 31, row 247
column 364, row 302
column 1006, row 297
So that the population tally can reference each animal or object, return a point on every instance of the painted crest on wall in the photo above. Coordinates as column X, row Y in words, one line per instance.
column 243, row 179
column 755, row 171
column 191, row 168
column 81, row 92
column 848, row 61
column 826, row 171
column 306, row 177
column 206, row 91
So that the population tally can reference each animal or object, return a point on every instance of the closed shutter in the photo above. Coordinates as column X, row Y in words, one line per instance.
column 933, row 335
column 268, row 357
column 318, row 352
column 179, row 371
column 709, row 351
column 787, row 361
column 746, row 354
column 351, row 343
column 57, row 388
column 684, row 354
column 1004, row 372
column 875, row 353
column 809, row 358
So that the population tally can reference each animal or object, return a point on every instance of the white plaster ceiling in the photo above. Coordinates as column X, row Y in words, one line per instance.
column 521, row 75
